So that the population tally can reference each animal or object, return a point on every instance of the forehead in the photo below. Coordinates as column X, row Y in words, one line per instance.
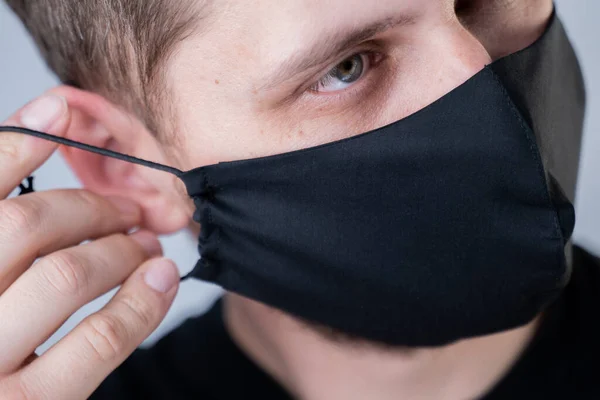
column 273, row 29
column 247, row 60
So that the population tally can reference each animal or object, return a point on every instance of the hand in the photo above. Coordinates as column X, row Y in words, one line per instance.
column 35, row 299
column 505, row 26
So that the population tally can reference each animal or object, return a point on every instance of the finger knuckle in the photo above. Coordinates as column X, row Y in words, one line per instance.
column 89, row 200
column 141, row 314
column 65, row 272
column 122, row 242
column 92, row 201
column 106, row 336
column 87, row 197
column 20, row 217
column 17, row 388
column 126, row 245
column 9, row 150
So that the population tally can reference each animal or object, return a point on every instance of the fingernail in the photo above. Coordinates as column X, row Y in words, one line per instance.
column 148, row 241
column 124, row 205
column 162, row 275
column 43, row 112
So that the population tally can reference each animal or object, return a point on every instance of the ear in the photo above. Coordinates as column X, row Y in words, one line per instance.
column 98, row 122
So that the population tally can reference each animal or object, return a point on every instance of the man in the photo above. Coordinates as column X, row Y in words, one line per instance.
column 173, row 82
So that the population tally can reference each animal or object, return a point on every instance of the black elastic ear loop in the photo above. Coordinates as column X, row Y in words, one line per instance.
column 94, row 149
column 98, row 150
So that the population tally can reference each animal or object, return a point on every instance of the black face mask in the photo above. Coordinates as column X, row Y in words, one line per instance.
column 448, row 224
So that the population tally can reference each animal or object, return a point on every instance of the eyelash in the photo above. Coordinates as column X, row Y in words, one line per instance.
column 372, row 60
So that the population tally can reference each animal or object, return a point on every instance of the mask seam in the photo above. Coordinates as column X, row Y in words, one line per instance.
column 217, row 229
column 534, row 150
column 532, row 146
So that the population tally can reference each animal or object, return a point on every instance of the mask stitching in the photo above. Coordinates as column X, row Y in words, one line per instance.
column 209, row 198
column 533, row 150
column 560, row 255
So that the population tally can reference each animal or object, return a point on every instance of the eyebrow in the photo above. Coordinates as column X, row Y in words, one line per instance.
column 330, row 46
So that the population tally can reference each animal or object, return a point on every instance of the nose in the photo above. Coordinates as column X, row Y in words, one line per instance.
column 449, row 55
column 460, row 54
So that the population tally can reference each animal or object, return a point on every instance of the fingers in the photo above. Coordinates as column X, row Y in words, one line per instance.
column 20, row 154
column 40, row 223
column 75, row 366
column 59, row 284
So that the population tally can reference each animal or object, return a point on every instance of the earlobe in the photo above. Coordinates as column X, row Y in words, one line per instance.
column 98, row 122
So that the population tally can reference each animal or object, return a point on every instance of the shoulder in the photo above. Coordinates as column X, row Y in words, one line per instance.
column 561, row 361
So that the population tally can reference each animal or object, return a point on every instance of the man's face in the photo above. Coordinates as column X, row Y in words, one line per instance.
column 265, row 77
column 269, row 76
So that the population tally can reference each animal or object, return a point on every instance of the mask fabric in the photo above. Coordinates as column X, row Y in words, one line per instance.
column 448, row 224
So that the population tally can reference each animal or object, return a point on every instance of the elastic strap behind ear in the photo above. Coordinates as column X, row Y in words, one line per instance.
column 90, row 148
column 93, row 149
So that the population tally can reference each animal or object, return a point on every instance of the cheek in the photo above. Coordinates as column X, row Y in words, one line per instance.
column 222, row 129
column 448, row 56
column 439, row 59
column 227, row 127
column 235, row 133
column 435, row 63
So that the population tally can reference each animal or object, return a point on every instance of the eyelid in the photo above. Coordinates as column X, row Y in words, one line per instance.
column 373, row 60
column 371, row 83
column 297, row 92
column 373, row 46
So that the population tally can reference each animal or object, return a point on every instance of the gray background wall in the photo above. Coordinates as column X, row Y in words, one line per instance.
column 24, row 76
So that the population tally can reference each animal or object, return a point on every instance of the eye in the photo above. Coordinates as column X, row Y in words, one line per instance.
column 343, row 75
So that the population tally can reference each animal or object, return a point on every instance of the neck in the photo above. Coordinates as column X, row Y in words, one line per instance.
column 315, row 368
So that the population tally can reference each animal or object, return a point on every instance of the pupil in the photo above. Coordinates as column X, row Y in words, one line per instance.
column 348, row 66
column 350, row 70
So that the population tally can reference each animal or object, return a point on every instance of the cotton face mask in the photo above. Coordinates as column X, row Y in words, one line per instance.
column 448, row 224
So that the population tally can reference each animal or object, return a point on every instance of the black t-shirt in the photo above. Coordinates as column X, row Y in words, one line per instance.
column 199, row 360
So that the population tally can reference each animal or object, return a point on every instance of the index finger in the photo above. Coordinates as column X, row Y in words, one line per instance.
column 75, row 366
column 20, row 154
